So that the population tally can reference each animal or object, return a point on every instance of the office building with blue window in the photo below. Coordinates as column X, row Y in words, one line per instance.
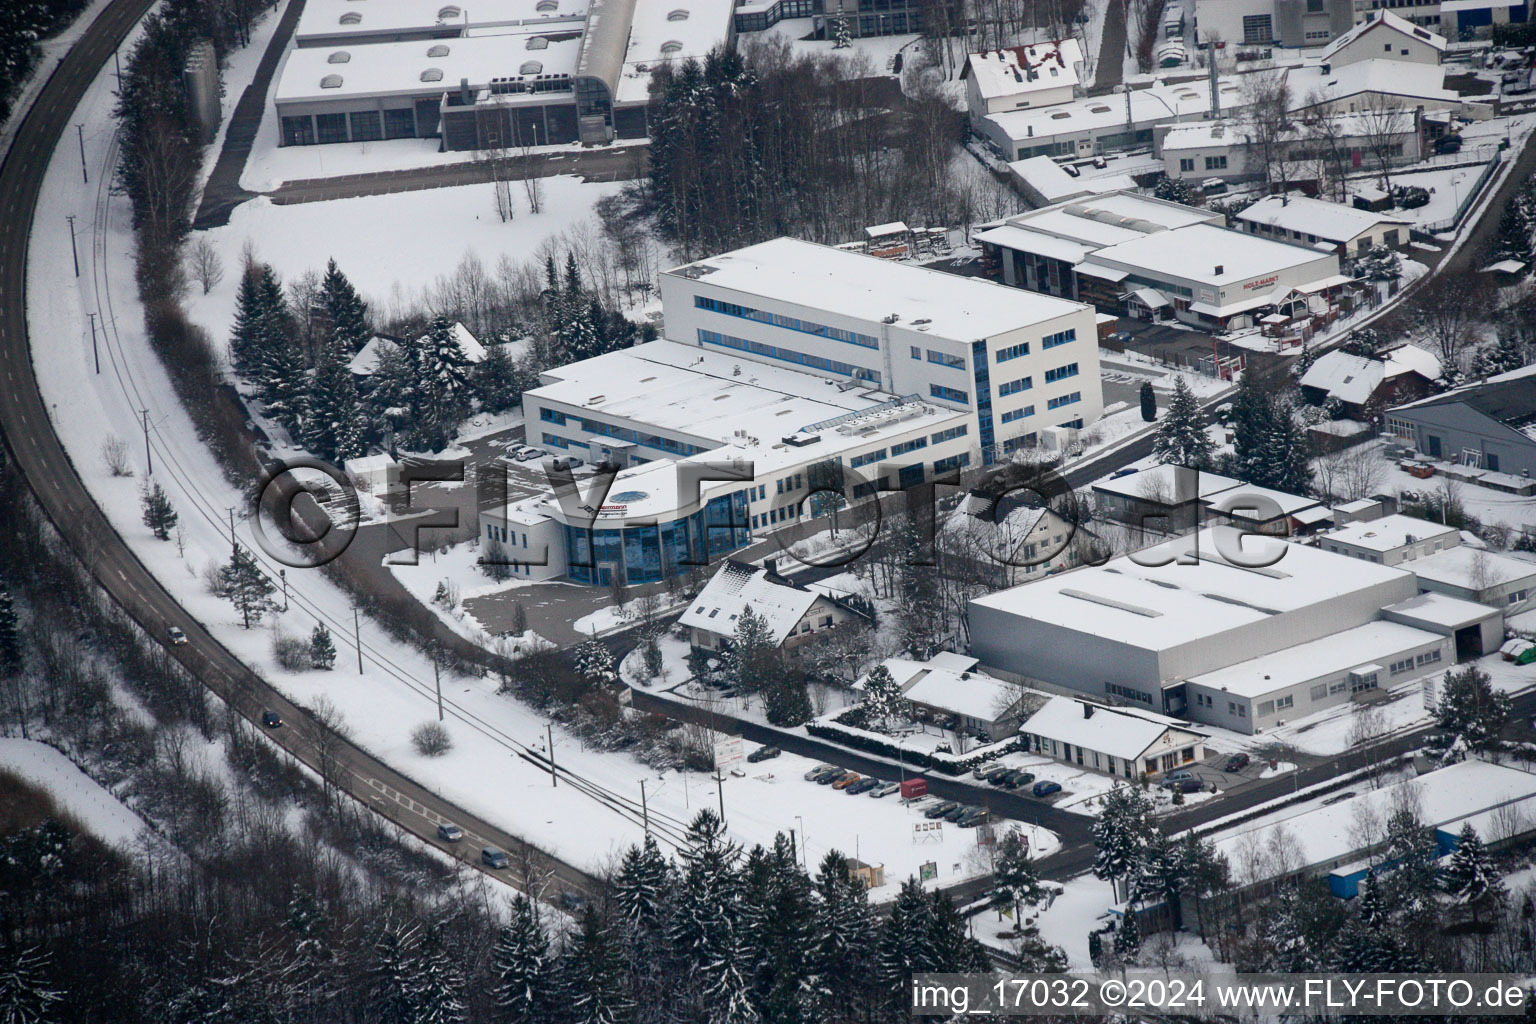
column 958, row 342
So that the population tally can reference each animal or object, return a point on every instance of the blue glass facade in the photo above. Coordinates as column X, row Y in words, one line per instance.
column 983, row 398
column 648, row 553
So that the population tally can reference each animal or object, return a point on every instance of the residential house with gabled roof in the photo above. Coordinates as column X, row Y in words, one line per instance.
column 793, row 613
column 1365, row 383
column 1120, row 741
column 1016, row 77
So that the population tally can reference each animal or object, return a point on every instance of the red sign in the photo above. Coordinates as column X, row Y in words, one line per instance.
column 1262, row 282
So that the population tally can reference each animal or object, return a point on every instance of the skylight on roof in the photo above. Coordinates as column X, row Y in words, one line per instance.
column 331, row 82
column 339, row 57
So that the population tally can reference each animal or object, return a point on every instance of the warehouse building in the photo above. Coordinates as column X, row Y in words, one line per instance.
column 1212, row 635
column 1489, row 426
column 532, row 73
column 1198, row 150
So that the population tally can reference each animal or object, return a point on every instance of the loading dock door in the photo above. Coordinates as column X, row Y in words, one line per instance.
column 1469, row 642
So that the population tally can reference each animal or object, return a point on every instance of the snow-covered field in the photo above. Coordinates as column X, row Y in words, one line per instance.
column 390, row 246
column 76, row 793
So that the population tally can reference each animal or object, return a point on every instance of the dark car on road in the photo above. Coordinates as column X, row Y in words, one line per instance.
column 959, row 812
column 494, row 858
column 1236, row 763
column 763, row 754
column 271, row 719
column 972, row 817
column 449, row 832
column 1046, row 788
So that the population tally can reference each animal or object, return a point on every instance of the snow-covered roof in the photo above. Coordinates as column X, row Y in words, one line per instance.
column 972, row 522
column 1332, row 221
column 1380, row 22
column 1021, row 239
column 1472, row 569
column 421, row 68
column 367, row 359
column 366, row 464
column 1120, row 733
column 960, row 309
column 322, row 19
column 1165, row 606
column 663, row 31
column 1158, row 104
column 738, row 586
column 1233, row 500
column 1329, row 655
column 1047, row 177
column 1390, row 533
column 744, row 405
column 961, row 691
column 1328, row 833
column 1020, row 70
column 1354, row 379
column 1215, row 256
column 1402, row 79
column 1441, row 610
column 1159, row 483
column 1187, row 135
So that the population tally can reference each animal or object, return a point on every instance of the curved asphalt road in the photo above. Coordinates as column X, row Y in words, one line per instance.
column 41, row 458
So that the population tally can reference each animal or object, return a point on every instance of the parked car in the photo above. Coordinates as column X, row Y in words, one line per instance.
column 494, row 858
column 449, row 832
column 864, row 785
column 1121, row 337
column 1236, row 763
column 1001, row 778
column 1409, row 197
column 973, row 816
column 271, row 719
column 1018, row 779
column 1213, row 186
column 847, row 780
column 1179, row 775
column 959, row 812
column 1183, row 785
column 940, row 809
column 1127, row 471
column 987, row 771
column 568, row 461
column 836, row 775
column 1046, row 788
column 763, row 754
column 1448, row 143
column 177, row 636
column 885, row 789
column 530, row 453
column 819, row 771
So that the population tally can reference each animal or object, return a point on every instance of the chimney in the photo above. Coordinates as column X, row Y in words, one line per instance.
column 772, row 565
column 464, row 91
column 1087, row 710
column 1219, row 269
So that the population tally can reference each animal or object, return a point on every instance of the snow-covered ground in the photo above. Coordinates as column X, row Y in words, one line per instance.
column 76, row 793
column 881, row 50
column 390, row 246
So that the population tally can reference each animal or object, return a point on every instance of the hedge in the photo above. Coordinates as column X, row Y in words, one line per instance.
column 949, row 764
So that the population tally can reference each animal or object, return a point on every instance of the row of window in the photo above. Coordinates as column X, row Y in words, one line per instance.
column 1129, row 693
column 789, row 323
column 790, row 356
column 948, row 394
column 902, row 447
column 1057, row 403
column 951, row 433
column 656, row 441
column 786, row 484
column 1018, row 414
column 1013, row 352
column 1059, row 338
column 1013, row 387
column 943, row 359
column 1061, row 373
column 953, row 462
column 877, row 455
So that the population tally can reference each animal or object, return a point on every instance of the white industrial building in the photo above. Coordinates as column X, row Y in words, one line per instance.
column 1435, row 554
column 1259, row 23
column 1034, row 75
column 1198, row 150
column 1241, row 636
column 1302, row 220
column 1122, row 741
column 1128, row 253
column 516, row 73
column 819, row 376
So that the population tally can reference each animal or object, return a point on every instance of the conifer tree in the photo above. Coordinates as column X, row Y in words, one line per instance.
column 1121, row 832
column 496, row 380
column 1181, row 436
column 246, row 586
column 347, row 312
column 1149, row 401
column 263, row 324
column 333, row 426
column 1252, row 423
column 444, row 391
column 595, row 663
column 591, row 965
column 10, row 635
column 1128, row 935
column 26, row 996
column 322, row 650
column 882, row 697
column 752, row 661
column 1015, row 883
column 285, row 386
column 841, row 956
column 1470, row 707
column 1470, row 877
column 522, row 969
column 159, row 514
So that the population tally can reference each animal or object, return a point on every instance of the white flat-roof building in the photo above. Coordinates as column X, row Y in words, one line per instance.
column 1180, row 637
column 522, row 73
column 1258, row 23
column 1303, row 220
column 1391, row 540
column 1443, row 565
column 1020, row 362
column 1045, row 182
column 1034, row 75
column 1109, row 249
column 1197, row 150
column 1117, row 740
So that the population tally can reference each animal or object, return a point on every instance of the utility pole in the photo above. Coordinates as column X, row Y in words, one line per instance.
column 95, row 353
column 149, row 459
column 645, row 813
column 117, row 62
column 720, row 790
column 80, row 130
column 282, row 574
column 75, row 255
column 357, row 633
column 234, row 548
column 550, row 732
column 437, row 680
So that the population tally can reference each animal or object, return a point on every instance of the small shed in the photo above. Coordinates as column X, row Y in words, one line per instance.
column 374, row 474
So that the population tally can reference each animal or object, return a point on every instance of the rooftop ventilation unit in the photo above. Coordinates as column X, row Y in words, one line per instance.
column 801, row 440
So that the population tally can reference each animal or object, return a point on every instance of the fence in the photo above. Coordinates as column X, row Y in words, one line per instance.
column 1426, row 232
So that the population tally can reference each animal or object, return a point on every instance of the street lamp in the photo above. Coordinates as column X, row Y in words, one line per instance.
column 1456, row 192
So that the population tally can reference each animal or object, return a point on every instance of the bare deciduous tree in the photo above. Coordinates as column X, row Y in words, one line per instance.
column 1384, row 122
column 204, row 265
column 114, row 455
